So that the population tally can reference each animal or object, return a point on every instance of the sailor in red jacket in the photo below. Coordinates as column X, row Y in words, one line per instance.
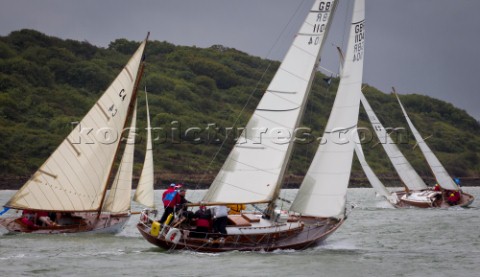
column 170, row 199
column 453, row 197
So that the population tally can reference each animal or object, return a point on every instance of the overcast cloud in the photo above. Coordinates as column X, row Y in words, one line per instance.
column 419, row 46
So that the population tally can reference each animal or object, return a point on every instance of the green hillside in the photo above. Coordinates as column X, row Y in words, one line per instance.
column 46, row 83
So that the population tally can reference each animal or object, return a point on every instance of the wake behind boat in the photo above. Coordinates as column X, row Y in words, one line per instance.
column 254, row 170
column 68, row 193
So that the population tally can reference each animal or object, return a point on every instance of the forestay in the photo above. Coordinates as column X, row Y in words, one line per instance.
column 441, row 175
column 145, row 192
column 255, row 167
column 118, row 200
column 407, row 174
column 75, row 176
column 323, row 190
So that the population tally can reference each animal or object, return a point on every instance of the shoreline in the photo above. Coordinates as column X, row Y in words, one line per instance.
column 192, row 181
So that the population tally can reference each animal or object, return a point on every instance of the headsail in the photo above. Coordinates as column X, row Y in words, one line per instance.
column 145, row 192
column 75, row 176
column 371, row 176
column 442, row 176
column 323, row 190
column 118, row 199
column 254, row 169
column 407, row 174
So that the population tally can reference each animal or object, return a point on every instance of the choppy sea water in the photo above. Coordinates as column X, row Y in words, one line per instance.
column 376, row 240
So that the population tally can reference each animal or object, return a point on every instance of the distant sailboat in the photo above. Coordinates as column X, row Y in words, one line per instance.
column 417, row 193
column 69, row 191
column 441, row 175
column 254, row 170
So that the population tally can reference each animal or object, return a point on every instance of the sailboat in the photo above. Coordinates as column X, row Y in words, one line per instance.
column 69, row 192
column 417, row 193
column 255, row 168
column 447, row 185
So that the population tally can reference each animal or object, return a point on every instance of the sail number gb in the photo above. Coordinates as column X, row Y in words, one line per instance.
column 359, row 41
column 321, row 21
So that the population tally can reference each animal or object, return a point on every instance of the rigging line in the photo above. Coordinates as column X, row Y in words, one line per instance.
column 251, row 94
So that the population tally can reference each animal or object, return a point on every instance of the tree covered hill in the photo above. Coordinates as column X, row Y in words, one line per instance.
column 198, row 97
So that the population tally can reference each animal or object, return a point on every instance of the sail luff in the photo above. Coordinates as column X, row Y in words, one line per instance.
column 440, row 173
column 255, row 166
column 75, row 176
column 404, row 169
column 323, row 190
column 144, row 193
column 118, row 200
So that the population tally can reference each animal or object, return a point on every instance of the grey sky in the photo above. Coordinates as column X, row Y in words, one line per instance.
column 419, row 46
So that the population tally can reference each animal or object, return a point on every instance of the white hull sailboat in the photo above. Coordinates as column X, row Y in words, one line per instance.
column 68, row 193
column 449, row 193
column 416, row 193
column 255, row 168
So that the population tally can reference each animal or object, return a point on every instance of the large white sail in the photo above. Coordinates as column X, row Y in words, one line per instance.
column 118, row 199
column 371, row 176
column 407, row 174
column 145, row 192
column 75, row 176
column 255, row 167
column 323, row 190
column 442, row 176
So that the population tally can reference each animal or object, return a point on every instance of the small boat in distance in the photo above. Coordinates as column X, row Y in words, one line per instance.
column 254, row 170
column 68, row 193
column 416, row 193
column 450, row 193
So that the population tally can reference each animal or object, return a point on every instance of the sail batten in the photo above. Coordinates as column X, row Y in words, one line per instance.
column 88, row 152
column 440, row 173
column 404, row 169
column 323, row 190
column 255, row 176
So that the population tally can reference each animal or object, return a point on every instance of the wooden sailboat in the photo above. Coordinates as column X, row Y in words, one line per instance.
column 254, row 170
column 70, row 189
column 445, row 182
column 417, row 193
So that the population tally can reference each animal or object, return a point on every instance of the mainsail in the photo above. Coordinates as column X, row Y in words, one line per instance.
column 75, row 176
column 441, row 175
column 145, row 192
column 323, row 190
column 255, row 167
column 118, row 200
column 407, row 174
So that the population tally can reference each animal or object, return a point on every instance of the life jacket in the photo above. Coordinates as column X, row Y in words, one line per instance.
column 453, row 197
column 236, row 208
column 170, row 198
column 203, row 222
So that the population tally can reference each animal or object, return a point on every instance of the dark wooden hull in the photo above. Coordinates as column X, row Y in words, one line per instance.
column 440, row 202
column 84, row 222
column 310, row 233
